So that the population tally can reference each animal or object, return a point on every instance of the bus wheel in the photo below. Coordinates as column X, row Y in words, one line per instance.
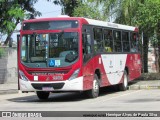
column 42, row 95
column 124, row 85
column 94, row 92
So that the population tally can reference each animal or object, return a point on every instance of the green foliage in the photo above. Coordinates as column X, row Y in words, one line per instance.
column 144, row 14
column 106, row 6
column 13, row 12
column 154, row 40
column 88, row 10
column 141, row 13
column 67, row 5
column 79, row 8
column 148, row 16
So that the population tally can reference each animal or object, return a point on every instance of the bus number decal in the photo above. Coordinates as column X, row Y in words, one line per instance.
column 57, row 77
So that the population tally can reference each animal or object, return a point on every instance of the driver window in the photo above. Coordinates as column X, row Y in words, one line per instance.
column 86, row 43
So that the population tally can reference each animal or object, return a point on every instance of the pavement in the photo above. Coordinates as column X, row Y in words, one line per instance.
column 12, row 87
column 144, row 84
column 8, row 88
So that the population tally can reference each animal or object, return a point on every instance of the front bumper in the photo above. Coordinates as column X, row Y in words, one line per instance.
column 68, row 85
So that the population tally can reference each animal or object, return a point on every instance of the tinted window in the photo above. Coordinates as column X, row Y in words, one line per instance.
column 108, row 40
column 98, row 42
column 134, row 42
column 125, row 40
column 117, row 41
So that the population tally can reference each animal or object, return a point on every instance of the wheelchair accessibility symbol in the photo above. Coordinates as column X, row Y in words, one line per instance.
column 52, row 63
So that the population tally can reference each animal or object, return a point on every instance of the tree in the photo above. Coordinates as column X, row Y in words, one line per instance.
column 13, row 12
column 88, row 10
column 136, row 13
column 68, row 6
column 79, row 8
column 148, row 19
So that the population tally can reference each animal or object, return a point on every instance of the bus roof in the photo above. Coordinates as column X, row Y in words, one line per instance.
column 110, row 25
column 88, row 21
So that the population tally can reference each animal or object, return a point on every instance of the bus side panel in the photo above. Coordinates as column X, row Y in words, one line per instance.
column 89, row 70
column 137, row 66
column 114, row 65
column 111, row 69
column 134, row 66
column 99, row 66
column 88, row 75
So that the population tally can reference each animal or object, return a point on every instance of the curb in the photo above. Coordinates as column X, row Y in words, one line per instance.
column 10, row 91
column 143, row 87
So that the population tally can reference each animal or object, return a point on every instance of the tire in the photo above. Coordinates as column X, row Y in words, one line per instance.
column 42, row 95
column 124, row 85
column 94, row 92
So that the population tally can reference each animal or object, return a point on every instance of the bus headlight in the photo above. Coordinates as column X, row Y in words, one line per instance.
column 22, row 76
column 74, row 75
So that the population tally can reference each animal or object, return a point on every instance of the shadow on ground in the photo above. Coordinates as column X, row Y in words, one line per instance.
column 64, row 97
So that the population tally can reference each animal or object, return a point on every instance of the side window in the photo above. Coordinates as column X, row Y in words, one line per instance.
column 117, row 41
column 98, row 42
column 24, row 48
column 125, row 39
column 108, row 41
column 134, row 42
column 86, row 43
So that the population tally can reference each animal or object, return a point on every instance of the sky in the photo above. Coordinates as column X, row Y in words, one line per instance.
column 48, row 9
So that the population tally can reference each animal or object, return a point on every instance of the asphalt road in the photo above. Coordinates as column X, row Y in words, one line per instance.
column 130, row 100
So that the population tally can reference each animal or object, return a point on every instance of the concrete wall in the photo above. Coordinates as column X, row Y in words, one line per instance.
column 153, row 57
column 3, row 69
column 12, row 65
column 8, row 66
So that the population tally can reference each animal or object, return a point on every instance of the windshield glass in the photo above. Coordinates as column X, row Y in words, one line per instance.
column 49, row 50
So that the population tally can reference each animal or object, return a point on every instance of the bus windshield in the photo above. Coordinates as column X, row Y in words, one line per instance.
column 49, row 50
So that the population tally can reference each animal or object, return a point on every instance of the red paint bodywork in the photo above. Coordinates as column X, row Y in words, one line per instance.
column 87, row 70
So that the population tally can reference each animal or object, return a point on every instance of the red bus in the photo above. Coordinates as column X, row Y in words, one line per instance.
column 76, row 54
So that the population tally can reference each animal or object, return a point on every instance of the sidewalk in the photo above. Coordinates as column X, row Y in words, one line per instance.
column 8, row 88
column 144, row 84
column 12, row 87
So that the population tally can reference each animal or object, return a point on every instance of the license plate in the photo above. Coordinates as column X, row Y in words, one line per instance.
column 47, row 88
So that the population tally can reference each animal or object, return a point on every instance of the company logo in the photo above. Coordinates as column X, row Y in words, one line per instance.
column 6, row 114
column 21, row 114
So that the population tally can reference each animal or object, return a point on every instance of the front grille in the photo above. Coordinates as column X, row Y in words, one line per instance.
column 54, row 85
